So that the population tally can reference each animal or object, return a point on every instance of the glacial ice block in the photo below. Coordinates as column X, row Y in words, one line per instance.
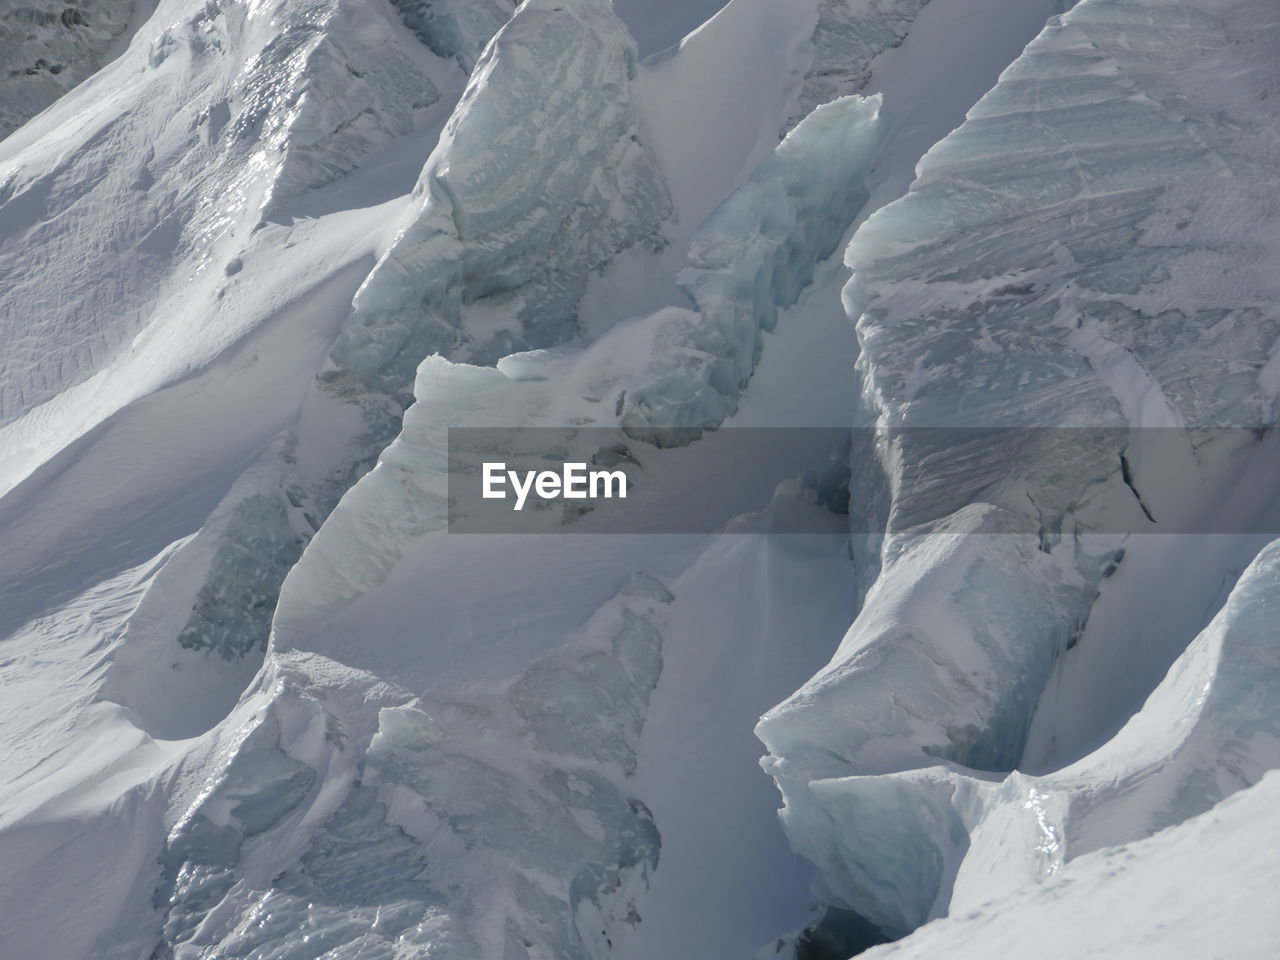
column 847, row 39
column 752, row 257
column 491, row 821
column 455, row 28
column 540, row 178
column 1210, row 729
column 1088, row 249
column 932, row 672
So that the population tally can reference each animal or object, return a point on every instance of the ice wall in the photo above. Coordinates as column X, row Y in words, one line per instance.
column 752, row 257
column 1209, row 730
column 539, row 180
column 455, row 28
column 933, row 671
column 1087, row 249
column 847, row 39
column 492, row 822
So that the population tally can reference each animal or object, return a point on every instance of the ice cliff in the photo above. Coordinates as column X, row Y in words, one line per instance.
column 453, row 28
column 1086, row 250
column 753, row 256
column 490, row 232
column 490, row 822
column 847, row 39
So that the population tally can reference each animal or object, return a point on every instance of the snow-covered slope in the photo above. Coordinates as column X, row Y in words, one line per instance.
column 48, row 46
column 257, row 258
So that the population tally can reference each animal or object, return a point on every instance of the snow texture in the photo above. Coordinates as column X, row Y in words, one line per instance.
column 48, row 46
column 260, row 257
column 490, row 822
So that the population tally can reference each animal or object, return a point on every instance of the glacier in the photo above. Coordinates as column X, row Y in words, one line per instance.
column 848, row 37
column 261, row 700
column 752, row 256
column 459, row 259
column 453, row 29
column 442, row 798
column 999, row 293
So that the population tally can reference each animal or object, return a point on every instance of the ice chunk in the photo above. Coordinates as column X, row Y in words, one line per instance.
column 540, row 179
column 932, row 670
column 753, row 256
column 492, row 822
column 1064, row 258
column 1210, row 729
column 1070, row 228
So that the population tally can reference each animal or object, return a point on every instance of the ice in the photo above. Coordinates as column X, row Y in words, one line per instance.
column 455, row 28
column 466, row 257
column 1060, row 260
column 848, row 39
column 268, row 109
column 1183, row 893
column 1208, row 731
column 1125, row 239
column 1211, row 728
column 931, row 671
column 478, row 746
column 900, row 848
column 528, row 193
column 489, row 820
column 753, row 256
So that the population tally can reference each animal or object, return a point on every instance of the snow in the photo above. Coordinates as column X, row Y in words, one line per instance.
column 263, row 256
column 1034, row 275
column 48, row 46
column 753, row 255
column 659, row 24
column 1154, row 898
